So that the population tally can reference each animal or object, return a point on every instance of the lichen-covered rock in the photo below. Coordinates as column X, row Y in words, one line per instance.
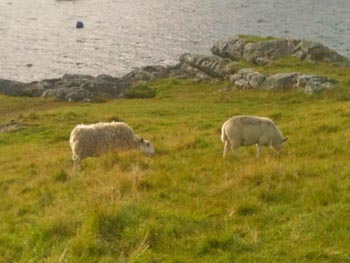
column 184, row 71
column 71, row 94
column 231, row 48
column 213, row 66
column 315, row 51
column 71, row 87
column 261, row 52
column 281, row 81
column 250, row 79
column 107, row 86
column 12, row 88
column 147, row 73
column 312, row 83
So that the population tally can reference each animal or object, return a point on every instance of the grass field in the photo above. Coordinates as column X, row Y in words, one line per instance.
column 186, row 203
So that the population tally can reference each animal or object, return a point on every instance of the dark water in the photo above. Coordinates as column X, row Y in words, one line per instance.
column 39, row 39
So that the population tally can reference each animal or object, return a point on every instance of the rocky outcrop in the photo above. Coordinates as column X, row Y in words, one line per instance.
column 225, row 63
column 70, row 87
column 12, row 88
column 265, row 51
column 231, row 48
column 250, row 79
column 147, row 73
column 262, row 52
column 315, row 51
column 311, row 83
column 213, row 66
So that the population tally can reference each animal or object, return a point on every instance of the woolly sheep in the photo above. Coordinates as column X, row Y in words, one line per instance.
column 247, row 130
column 96, row 139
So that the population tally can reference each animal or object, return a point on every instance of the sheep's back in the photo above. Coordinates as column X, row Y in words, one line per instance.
column 247, row 129
column 95, row 139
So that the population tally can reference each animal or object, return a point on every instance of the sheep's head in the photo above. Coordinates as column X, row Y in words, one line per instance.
column 280, row 145
column 146, row 147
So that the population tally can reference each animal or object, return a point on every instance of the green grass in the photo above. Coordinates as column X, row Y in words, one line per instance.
column 255, row 39
column 186, row 203
column 140, row 91
column 294, row 64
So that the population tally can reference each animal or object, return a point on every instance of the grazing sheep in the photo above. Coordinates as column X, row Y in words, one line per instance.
column 249, row 130
column 96, row 139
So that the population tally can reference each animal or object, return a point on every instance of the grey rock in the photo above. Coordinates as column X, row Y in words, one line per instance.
column 281, row 81
column 71, row 87
column 263, row 52
column 250, row 79
column 187, row 72
column 71, row 94
column 107, row 86
column 312, row 83
column 12, row 88
column 231, row 48
column 74, row 80
column 315, row 51
column 147, row 73
column 213, row 66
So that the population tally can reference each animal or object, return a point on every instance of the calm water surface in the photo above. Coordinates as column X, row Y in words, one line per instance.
column 39, row 39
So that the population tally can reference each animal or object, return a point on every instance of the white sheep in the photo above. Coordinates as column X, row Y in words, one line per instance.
column 247, row 130
column 96, row 139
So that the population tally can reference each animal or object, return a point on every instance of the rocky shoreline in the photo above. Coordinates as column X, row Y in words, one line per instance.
column 223, row 64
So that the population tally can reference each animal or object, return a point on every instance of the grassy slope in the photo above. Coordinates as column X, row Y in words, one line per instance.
column 187, row 203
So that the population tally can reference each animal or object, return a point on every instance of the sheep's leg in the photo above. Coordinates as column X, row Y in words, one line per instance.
column 226, row 148
column 235, row 149
column 76, row 165
column 258, row 150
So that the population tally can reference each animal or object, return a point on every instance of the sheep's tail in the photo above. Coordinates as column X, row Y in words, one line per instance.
column 223, row 134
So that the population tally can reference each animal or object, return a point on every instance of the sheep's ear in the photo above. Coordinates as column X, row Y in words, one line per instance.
column 285, row 139
column 142, row 140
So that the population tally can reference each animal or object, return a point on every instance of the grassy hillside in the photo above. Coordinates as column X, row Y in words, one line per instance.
column 187, row 203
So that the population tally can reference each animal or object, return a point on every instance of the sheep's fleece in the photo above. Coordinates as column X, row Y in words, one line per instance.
column 96, row 139
column 244, row 130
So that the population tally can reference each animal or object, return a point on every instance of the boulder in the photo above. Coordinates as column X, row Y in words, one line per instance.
column 12, row 88
column 312, row 83
column 231, row 48
column 315, row 51
column 71, row 87
column 250, row 79
column 71, row 94
column 147, row 73
column 213, row 66
column 107, row 86
column 184, row 71
column 281, row 81
column 263, row 52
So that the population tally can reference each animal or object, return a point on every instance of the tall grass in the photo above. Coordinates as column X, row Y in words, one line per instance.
column 187, row 203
